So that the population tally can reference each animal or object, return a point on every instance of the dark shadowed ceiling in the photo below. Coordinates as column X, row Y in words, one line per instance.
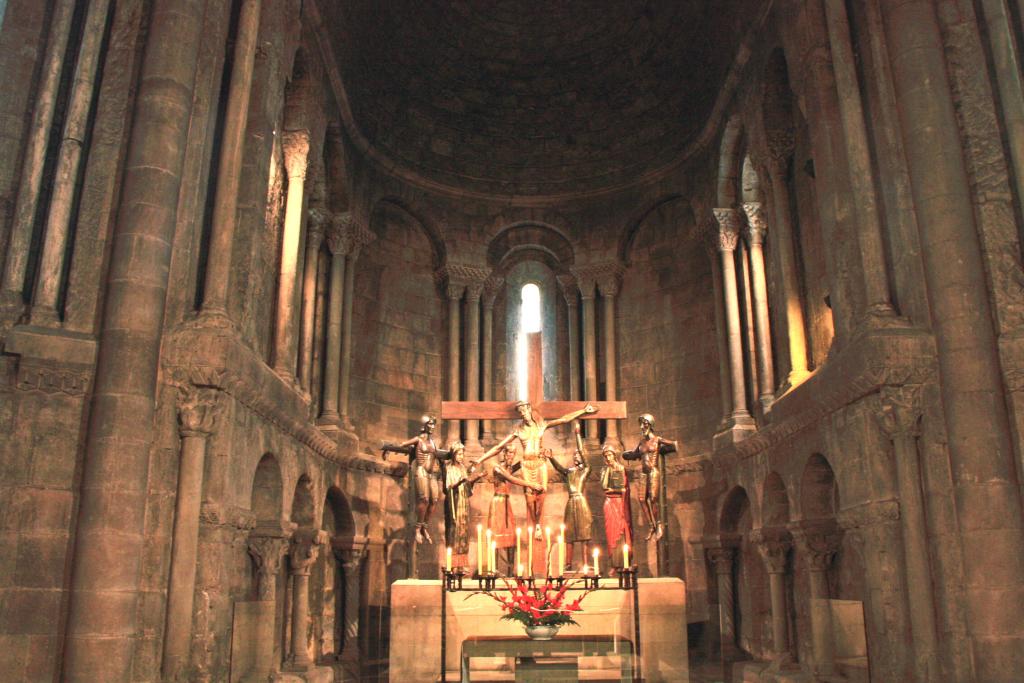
column 523, row 97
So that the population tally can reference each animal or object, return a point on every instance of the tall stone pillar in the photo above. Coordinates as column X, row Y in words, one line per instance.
column 296, row 161
column 303, row 553
column 985, row 488
column 339, row 243
column 197, row 413
column 267, row 546
column 774, row 545
column 69, row 161
column 102, row 619
column 609, row 288
column 780, row 148
column 490, row 293
column 352, row 566
column 571, row 293
column 817, row 546
column 317, row 225
column 361, row 237
column 879, row 310
column 717, row 292
column 27, row 203
column 473, row 293
column 217, row 283
column 756, row 229
column 587, row 294
column 900, row 420
column 454, row 291
column 728, row 236
column 722, row 558
column 747, row 319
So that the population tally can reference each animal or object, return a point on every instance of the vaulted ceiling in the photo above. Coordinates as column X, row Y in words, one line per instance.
column 531, row 97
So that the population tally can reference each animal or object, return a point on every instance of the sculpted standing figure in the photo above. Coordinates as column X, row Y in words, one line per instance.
column 578, row 519
column 530, row 433
column 500, row 519
column 423, row 457
column 647, row 452
column 458, row 487
column 618, row 522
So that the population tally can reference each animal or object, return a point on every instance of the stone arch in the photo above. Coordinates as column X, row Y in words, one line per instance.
column 735, row 516
column 327, row 585
column 628, row 236
column 266, row 500
column 751, row 605
column 819, row 493
column 530, row 241
column 774, row 501
column 429, row 229
column 338, row 519
column 336, row 176
column 303, row 508
column 729, row 162
column 750, row 181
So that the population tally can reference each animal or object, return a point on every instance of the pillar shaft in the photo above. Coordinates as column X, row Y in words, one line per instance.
column 305, row 548
column 31, row 181
column 747, row 305
column 785, row 252
column 102, row 622
column 780, row 630
column 314, row 237
column 346, row 338
column 985, row 491
column 332, row 361
column 722, row 559
column 728, row 237
column 488, row 363
column 69, row 161
column 352, row 565
column 759, row 287
column 454, row 295
column 229, row 165
column 574, row 349
column 296, row 144
column 589, row 354
column 817, row 547
column 473, row 293
column 609, row 289
column 717, row 291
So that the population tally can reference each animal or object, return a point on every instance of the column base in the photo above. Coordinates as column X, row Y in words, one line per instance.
column 44, row 316
column 348, row 442
column 766, row 401
column 739, row 427
column 329, row 422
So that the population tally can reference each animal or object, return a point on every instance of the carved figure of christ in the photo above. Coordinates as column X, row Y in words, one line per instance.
column 530, row 431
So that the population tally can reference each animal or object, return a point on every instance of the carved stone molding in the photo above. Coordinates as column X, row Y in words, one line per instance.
column 198, row 410
column 728, row 228
column 872, row 513
column 756, row 225
column 491, row 289
column 305, row 548
column 899, row 411
column 606, row 274
column 213, row 514
column 774, row 546
column 295, row 144
column 52, row 379
column 461, row 274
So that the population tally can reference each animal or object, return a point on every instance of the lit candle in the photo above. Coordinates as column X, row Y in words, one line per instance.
column 494, row 552
column 561, row 554
column 597, row 567
column 519, row 542
column 547, row 549
column 529, row 548
column 490, row 566
column 448, row 559
column 479, row 548
column 625, row 556
column 519, row 570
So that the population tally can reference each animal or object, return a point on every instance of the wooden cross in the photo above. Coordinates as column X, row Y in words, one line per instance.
column 506, row 410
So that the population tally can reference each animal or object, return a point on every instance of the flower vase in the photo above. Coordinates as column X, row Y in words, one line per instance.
column 542, row 631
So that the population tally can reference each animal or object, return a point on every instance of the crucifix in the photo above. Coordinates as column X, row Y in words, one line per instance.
column 530, row 431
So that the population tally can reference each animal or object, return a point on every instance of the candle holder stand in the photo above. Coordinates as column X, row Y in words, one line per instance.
column 627, row 577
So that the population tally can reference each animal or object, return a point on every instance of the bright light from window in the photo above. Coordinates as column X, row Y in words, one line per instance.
column 529, row 321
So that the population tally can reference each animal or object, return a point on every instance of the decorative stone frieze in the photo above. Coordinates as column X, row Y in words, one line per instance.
column 50, row 379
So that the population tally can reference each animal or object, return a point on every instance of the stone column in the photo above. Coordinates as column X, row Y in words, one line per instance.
column 339, row 244
column 587, row 294
column 304, row 550
column 728, row 236
column 609, row 288
column 101, row 634
column 454, row 292
column 362, row 237
column 315, row 229
column 818, row 546
column 785, row 249
column 879, row 310
column 352, row 564
column 490, row 293
column 67, row 171
column 296, row 161
column 774, row 546
column 747, row 318
column 571, row 293
column 197, row 413
column 473, row 292
column 722, row 558
column 217, row 282
column 900, row 420
column 27, row 203
column 267, row 546
column 720, row 332
column 985, row 488
column 756, row 229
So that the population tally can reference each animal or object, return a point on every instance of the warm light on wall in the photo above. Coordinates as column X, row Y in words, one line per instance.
column 529, row 321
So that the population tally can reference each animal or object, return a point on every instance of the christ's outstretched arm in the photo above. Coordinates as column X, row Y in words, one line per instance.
column 585, row 410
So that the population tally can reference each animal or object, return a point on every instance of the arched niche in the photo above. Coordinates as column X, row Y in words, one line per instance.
column 266, row 499
column 819, row 494
column 774, row 502
column 303, row 508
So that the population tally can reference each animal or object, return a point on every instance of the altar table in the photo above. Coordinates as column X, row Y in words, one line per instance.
column 526, row 651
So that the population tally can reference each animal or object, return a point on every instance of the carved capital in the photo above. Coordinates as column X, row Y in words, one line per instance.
column 608, row 285
column 198, row 409
column 491, row 289
column 780, row 143
column 340, row 237
column 774, row 546
column 721, row 558
column 817, row 545
column 304, row 549
column 756, row 225
column 456, row 277
column 267, row 553
column 473, row 291
column 316, row 227
column 570, row 290
column 728, row 228
column 899, row 411
column 350, row 558
column 604, row 276
column 295, row 144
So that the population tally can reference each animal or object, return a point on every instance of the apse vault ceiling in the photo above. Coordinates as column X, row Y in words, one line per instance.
column 530, row 98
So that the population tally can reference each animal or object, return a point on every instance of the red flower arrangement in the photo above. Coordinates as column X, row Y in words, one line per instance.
column 541, row 605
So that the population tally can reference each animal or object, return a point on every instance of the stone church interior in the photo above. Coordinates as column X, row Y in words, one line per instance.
column 729, row 292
